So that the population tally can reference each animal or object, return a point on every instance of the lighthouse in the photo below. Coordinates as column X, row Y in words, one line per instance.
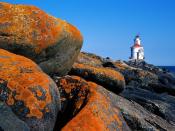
column 137, row 50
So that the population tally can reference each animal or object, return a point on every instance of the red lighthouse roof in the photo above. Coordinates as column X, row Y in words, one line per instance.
column 137, row 42
column 136, row 46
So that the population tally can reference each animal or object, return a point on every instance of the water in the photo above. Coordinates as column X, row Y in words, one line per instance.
column 169, row 68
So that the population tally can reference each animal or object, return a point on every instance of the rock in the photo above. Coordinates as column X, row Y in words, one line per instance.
column 158, row 82
column 135, row 76
column 108, row 78
column 52, row 43
column 145, row 78
column 9, row 121
column 166, row 83
column 89, row 106
column 138, row 118
column 31, row 94
column 147, row 108
column 162, row 88
column 92, row 60
column 160, row 71
column 89, row 59
column 73, row 92
column 162, row 105
column 144, row 66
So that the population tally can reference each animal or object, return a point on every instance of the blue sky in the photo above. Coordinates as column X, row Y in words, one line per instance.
column 109, row 26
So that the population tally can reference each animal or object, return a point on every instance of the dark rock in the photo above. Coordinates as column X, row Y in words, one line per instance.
column 161, row 88
column 144, row 66
column 158, row 82
column 138, row 118
column 162, row 105
column 9, row 121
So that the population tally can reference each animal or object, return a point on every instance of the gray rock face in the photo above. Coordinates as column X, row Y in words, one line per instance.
column 154, row 79
column 162, row 105
column 9, row 121
column 138, row 118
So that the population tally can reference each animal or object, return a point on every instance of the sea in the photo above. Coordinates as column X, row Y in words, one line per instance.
column 169, row 68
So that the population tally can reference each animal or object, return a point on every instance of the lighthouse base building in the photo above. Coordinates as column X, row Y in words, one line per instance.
column 137, row 51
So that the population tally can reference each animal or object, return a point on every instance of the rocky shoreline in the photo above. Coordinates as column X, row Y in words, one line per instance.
column 147, row 100
column 47, row 84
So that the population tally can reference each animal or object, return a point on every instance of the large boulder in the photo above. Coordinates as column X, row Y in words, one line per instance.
column 52, row 43
column 110, row 79
column 88, row 106
column 83, row 107
column 9, row 121
column 31, row 94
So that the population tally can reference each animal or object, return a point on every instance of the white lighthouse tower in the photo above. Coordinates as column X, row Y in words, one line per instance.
column 137, row 51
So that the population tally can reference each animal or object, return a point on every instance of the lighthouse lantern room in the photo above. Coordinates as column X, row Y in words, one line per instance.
column 137, row 50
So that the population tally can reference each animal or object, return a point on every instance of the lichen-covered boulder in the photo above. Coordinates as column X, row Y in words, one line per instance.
column 88, row 106
column 51, row 42
column 31, row 94
column 110, row 79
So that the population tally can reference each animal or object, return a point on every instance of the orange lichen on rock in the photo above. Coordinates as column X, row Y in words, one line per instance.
column 85, row 120
column 120, row 65
column 143, row 74
column 52, row 43
column 76, row 35
column 99, row 70
column 108, row 78
column 33, row 27
column 105, row 112
column 10, row 100
column 97, row 112
column 26, row 82
column 74, row 85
